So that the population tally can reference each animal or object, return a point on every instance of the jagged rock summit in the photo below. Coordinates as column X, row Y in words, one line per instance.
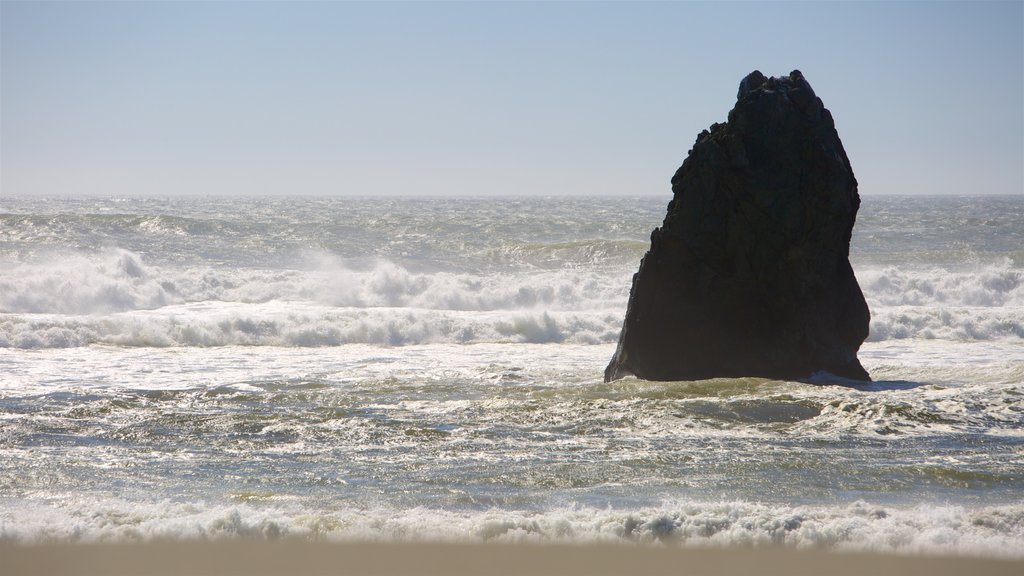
column 749, row 275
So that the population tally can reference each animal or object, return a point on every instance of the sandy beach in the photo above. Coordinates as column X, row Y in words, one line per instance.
column 253, row 558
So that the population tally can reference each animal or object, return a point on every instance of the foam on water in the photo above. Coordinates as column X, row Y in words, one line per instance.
column 432, row 369
column 994, row 285
column 116, row 280
column 860, row 526
column 305, row 325
column 115, row 297
column 467, row 408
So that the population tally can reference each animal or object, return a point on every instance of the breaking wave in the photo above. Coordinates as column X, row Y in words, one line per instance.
column 954, row 323
column 936, row 303
column 115, row 296
column 996, row 531
column 117, row 280
column 298, row 324
column 990, row 286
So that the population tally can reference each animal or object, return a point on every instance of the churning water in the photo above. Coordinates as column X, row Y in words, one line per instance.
column 430, row 369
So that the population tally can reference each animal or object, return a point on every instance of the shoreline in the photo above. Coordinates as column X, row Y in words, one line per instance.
column 263, row 558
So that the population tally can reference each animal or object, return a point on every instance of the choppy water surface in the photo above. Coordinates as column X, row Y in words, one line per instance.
column 431, row 369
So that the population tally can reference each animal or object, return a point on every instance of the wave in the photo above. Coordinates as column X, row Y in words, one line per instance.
column 305, row 325
column 994, row 531
column 442, row 234
column 38, row 227
column 986, row 303
column 946, row 323
column 116, row 296
column 117, row 280
column 994, row 285
column 112, row 281
column 571, row 254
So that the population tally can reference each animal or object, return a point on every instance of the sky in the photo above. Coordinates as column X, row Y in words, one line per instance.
column 488, row 98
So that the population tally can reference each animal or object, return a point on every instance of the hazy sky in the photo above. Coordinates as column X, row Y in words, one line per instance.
column 442, row 98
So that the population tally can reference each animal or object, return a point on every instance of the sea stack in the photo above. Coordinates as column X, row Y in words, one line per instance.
column 749, row 274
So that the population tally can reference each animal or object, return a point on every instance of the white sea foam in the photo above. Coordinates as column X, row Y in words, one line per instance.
column 253, row 368
column 111, row 281
column 303, row 324
column 384, row 283
column 946, row 323
column 988, row 286
column 115, row 296
column 994, row 531
column 986, row 303
column 116, row 280
column 982, row 304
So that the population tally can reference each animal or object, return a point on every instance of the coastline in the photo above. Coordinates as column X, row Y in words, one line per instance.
column 262, row 558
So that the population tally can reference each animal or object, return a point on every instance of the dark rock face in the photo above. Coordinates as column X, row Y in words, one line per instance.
column 749, row 275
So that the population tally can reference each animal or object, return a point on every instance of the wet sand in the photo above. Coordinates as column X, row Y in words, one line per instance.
column 253, row 558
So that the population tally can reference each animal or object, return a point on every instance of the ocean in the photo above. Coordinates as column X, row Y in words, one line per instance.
column 430, row 369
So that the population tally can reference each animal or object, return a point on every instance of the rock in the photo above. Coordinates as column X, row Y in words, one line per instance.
column 752, row 81
column 749, row 274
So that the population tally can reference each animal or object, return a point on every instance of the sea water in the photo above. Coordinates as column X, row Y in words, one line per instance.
column 431, row 369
